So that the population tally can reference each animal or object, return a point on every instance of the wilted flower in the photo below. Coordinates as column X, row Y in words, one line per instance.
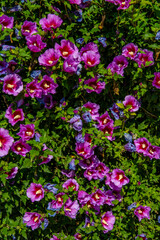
column 118, row 65
column 76, row 123
column 97, row 86
column 75, row 1
column 145, row 57
column 142, row 236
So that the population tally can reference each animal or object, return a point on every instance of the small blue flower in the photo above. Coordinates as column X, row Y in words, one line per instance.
column 133, row 205
column 79, row 69
column 87, row 117
column 79, row 138
column 128, row 137
column 80, row 40
column 157, row 36
column 45, row 224
column 15, row 8
column 17, row 33
column 130, row 147
column 159, row 219
column 35, row 73
column 72, row 165
column 51, row 188
column 52, row 215
column 102, row 40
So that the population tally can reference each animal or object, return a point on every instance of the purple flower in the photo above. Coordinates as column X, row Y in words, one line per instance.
column 132, row 102
column 78, row 2
column 101, row 170
column 32, row 219
column 76, row 123
column 66, row 48
column 89, row 173
column 54, row 238
column 6, row 22
column 68, row 173
column 143, row 236
column 78, row 236
column 51, row 22
column 87, row 117
column 93, row 109
column 6, row 142
column 96, row 85
column 35, row 192
column 124, row 4
column 118, row 65
column 88, row 223
column 91, row 58
column 28, row 28
column 130, row 50
column 89, row 163
column 84, row 149
column 71, row 208
column 35, row 43
column 12, row 84
column 83, row 197
column 12, row 173
column 48, row 85
column 104, row 119
column 142, row 212
column 109, row 197
column 97, row 198
column 145, row 57
column 55, row 205
column 14, row 117
column 72, row 165
column 118, row 178
column 153, row 152
column 108, row 220
column 49, row 58
column 130, row 147
column 72, row 184
column 91, row 46
column 33, row 89
column 102, row 40
column 156, row 80
column 142, row 145
column 21, row 148
column 26, row 131
column 71, row 63
column 107, row 129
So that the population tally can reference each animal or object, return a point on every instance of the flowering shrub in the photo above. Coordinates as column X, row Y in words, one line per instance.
column 79, row 122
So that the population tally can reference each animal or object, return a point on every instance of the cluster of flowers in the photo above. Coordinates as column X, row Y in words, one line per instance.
column 123, row 4
column 130, row 50
column 142, row 145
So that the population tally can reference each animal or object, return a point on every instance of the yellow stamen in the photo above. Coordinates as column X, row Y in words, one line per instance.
column 120, row 177
column 35, row 220
column 1, row 144
column 39, row 191
column 89, row 63
column 46, row 85
column 10, row 85
column 29, row 133
column 17, row 116
column 68, row 209
column 65, row 53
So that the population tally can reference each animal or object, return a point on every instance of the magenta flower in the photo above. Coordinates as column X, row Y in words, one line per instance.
column 108, row 220
column 101, row 170
column 97, row 198
column 32, row 219
column 12, row 84
column 66, row 48
column 153, row 152
column 52, row 21
column 84, row 149
column 91, row 58
column 124, row 4
column 78, row 2
column 71, row 208
column 56, row 204
column 130, row 50
column 78, row 236
column 93, row 109
column 89, row 173
column 72, row 183
column 95, row 84
column 109, row 197
column 21, row 148
column 6, row 22
column 118, row 178
column 12, row 173
column 48, row 85
column 142, row 145
column 118, row 65
column 142, row 212
column 14, row 117
column 132, row 102
column 49, row 58
column 6, row 142
column 156, row 80
column 104, row 119
column 107, row 129
column 35, row 192
column 35, row 43
column 28, row 28
column 33, row 89
column 91, row 46
column 26, row 131
column 145, row 57
column 89, row 162
column 83, row 197
column 54, row 238
column 71, row 63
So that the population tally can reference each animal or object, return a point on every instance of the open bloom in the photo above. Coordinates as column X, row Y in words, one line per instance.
column 97, row 198
column 156, row 80
column 132, row 102
column 93, row 109
column 118, row 65
column 52, row 21
column 6, row 22
column 142, row 236
column 97, row 86
column 21, row 148
column 142, row 212
column 33, row 89
column 123, row 4
column 28, row 28
column 35, row 43
column 130, row 50
column 48, row 85
column 143, row 58
column 35, row 192
column 6, row 142
column 49, row 58
column 91, row 58
column 66, row 48
column 71, row 208
column 84, row 149
column 72, row 183
column 118, row 178
column 108, row 220
column 26, row 131
column 12, row 84
column 142, row 145
column 14, row 117
column 32, row 219
column 56, row 204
